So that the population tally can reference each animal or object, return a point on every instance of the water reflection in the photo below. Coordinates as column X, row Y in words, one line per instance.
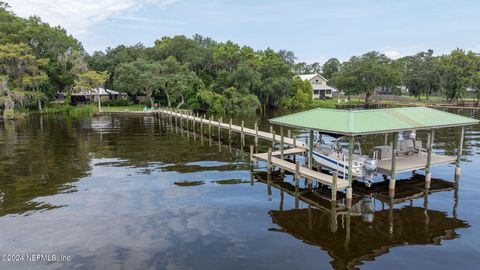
column 137, row 192
column 372, row 226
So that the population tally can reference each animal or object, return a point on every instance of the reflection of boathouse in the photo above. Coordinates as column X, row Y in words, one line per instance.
column 411, row 226
column 372, row 226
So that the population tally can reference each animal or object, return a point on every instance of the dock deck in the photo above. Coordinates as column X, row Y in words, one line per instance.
column 412, row 162
column 322, row 178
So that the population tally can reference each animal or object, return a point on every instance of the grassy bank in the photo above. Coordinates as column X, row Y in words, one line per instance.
column 85, row 110
column 128, row 108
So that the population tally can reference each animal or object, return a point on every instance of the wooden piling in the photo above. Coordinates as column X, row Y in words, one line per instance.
column 459, row 152
column 256, row 134
column 393, row 175
column 334, row 187
column 230, row 128
column 310, row 150
column 242, row 134
column 219, row 127
column 297, row 178
column 210, row 126
column 281, row 143
column 251, row 156
column 428, row 172
column 269, row 161
column 349, row 196
column 273, row 139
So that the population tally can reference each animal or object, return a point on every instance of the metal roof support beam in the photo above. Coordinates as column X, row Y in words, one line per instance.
column 459, row 152
column 428, row 172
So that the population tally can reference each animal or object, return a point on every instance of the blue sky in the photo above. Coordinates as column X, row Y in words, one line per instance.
column 313, row 30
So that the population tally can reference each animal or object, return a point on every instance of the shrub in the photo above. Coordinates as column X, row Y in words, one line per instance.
column 116, row 102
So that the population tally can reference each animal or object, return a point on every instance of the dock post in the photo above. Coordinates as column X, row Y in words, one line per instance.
column 251, row 156
column 271, row 129
column 428, row 172
column 273, row 139
column 297, row 178
column 256, row 134
column 310, row 156
column 310, row 149
column 176, row 116
column 242, row 134
column 210, row 126
column 393, row 175
column 294, row 146
column 219, row 127
column 334, row 187
column 289, row 133
column 230, row 128
column 350, row 176
column 269, row 161
column 459, row 152
column 281, row 143
column 201, row 125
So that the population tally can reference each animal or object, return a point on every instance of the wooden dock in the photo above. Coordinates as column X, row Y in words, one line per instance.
column 258, row 134
column 322, row 178
column 273, row 159
column 412, row 162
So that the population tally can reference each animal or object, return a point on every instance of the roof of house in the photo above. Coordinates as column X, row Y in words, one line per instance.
column 99, row 91
column 311, row 76
column 364, row 122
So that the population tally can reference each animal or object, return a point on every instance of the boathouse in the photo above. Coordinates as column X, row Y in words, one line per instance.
column 388, row 122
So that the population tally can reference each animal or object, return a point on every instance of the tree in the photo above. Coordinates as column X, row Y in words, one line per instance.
column 366, row 73
column 302, row 95
column 91, row 81
column 422, row 74
column 331, row 67
column 23, row 70
column 456, row 71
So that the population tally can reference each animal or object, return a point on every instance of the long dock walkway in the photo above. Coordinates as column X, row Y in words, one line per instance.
column 272, row 158
column 239, row 129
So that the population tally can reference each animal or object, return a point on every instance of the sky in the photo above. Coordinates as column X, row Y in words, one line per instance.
column 314, row 30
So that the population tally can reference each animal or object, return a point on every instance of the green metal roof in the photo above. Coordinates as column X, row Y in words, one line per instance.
column 362, row 122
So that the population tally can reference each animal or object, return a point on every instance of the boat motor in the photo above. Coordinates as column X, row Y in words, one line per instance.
column 369, row 169
column 413, row 134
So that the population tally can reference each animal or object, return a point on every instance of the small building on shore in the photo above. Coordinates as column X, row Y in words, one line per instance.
column 84, row 97
column 320, row 88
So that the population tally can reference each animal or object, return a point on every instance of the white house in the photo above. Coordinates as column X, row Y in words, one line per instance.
column 319, row 85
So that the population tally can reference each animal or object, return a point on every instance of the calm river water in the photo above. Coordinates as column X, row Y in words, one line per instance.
column 128, row 192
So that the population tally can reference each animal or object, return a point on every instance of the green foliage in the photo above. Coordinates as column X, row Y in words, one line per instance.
column 116, row 102
column 330, row 68
column 422, row 74
column 84, row 110
column 211, row 101
column 237, row 102
column 457, row 70
column 302, row 95
column 366, row 73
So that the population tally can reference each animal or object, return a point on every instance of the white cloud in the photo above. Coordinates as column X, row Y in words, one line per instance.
column 392, row 54
column 78, row 16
